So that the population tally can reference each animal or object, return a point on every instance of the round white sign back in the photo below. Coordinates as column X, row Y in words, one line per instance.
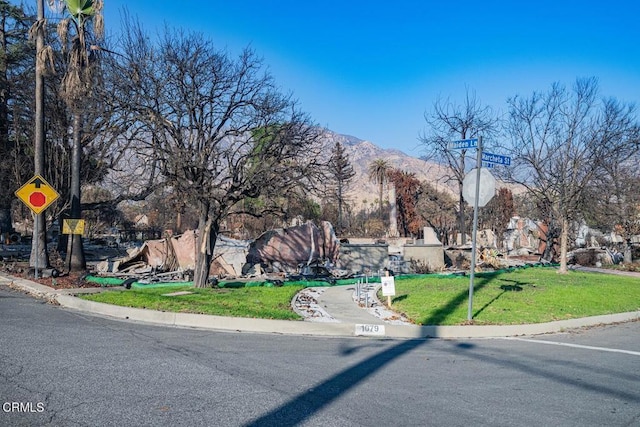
column 487, row 187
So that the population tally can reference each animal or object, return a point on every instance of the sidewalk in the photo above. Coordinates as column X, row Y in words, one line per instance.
column 341, row 316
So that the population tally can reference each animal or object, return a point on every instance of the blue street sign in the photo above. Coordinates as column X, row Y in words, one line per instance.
column 463, row 143
column 496, row 158
column 488, row 165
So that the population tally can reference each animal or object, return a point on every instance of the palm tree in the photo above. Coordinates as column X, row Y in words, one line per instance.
column 378, row 174
column 85, row 19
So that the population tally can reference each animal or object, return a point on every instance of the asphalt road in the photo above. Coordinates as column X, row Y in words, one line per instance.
column 59, row 367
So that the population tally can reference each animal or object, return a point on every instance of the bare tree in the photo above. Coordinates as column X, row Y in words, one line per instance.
column 218, row 127
column 497, row 213
column 560, row 140
column 438, row 209
column 612, row 201
column 448, row 122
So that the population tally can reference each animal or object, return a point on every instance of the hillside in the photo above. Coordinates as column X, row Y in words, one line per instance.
column 363, row 153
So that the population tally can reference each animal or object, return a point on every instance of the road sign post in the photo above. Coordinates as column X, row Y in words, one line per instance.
column 474, row 237
column 38, row 195
column 465, row 144
column 388, row 287
column 471, row 192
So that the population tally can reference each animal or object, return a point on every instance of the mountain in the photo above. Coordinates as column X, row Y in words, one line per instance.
column 362, row 153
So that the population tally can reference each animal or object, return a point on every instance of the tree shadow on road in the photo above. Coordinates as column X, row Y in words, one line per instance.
column 305, row 405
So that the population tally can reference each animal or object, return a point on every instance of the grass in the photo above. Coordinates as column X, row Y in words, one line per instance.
column 252, row 302
column 531, row 295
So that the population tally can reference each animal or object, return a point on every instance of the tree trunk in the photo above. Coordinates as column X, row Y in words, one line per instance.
column 393, row 212
column 461, row 219
column 380, row 200
column 179, row 223
column 39, row 239
column 206, row 242
column 6, row 227
column 339, row 194
column 627, row 254
column 63, row 239
column 75, row 252
column 564, row 244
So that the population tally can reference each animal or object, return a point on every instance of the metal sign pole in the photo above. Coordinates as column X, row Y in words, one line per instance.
column 475, row 232
column 37, row 236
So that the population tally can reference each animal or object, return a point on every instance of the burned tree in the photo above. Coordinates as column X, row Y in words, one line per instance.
column 218, row 127
column 497, row 213
column 407, row 193
column 448, row 122
column 438, row 209
column 612, row 201
column 560, row 140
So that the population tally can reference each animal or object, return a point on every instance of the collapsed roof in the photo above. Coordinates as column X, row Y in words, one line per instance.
column 284, row 248
column 290, row 247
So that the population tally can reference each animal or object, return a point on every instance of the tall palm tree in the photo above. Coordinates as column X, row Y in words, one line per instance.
column 85, row 22
column 378, row 174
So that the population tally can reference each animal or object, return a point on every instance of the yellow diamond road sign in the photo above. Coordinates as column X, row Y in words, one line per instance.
column 73, row 226
column 37, row 194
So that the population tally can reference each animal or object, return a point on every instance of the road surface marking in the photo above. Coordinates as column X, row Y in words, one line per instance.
column 586, row 347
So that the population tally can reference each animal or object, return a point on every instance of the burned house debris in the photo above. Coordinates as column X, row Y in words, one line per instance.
column 313, row 252
column 286, row 249
column 176, row 256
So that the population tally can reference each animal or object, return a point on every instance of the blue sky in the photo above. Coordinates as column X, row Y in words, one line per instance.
column 371, row 69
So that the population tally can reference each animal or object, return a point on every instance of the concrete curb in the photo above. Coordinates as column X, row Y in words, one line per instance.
column 235, row 324
column 331, row 329
column 202, row 321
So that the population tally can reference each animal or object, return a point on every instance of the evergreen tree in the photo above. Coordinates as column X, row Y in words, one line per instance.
column 341, row 170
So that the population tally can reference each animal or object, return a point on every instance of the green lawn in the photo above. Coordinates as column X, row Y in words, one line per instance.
column 255, row 302
column 529, row 295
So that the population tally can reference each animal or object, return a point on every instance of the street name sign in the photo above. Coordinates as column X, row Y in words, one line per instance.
column 37, row 194
column 461, row 144
column 496, row 159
